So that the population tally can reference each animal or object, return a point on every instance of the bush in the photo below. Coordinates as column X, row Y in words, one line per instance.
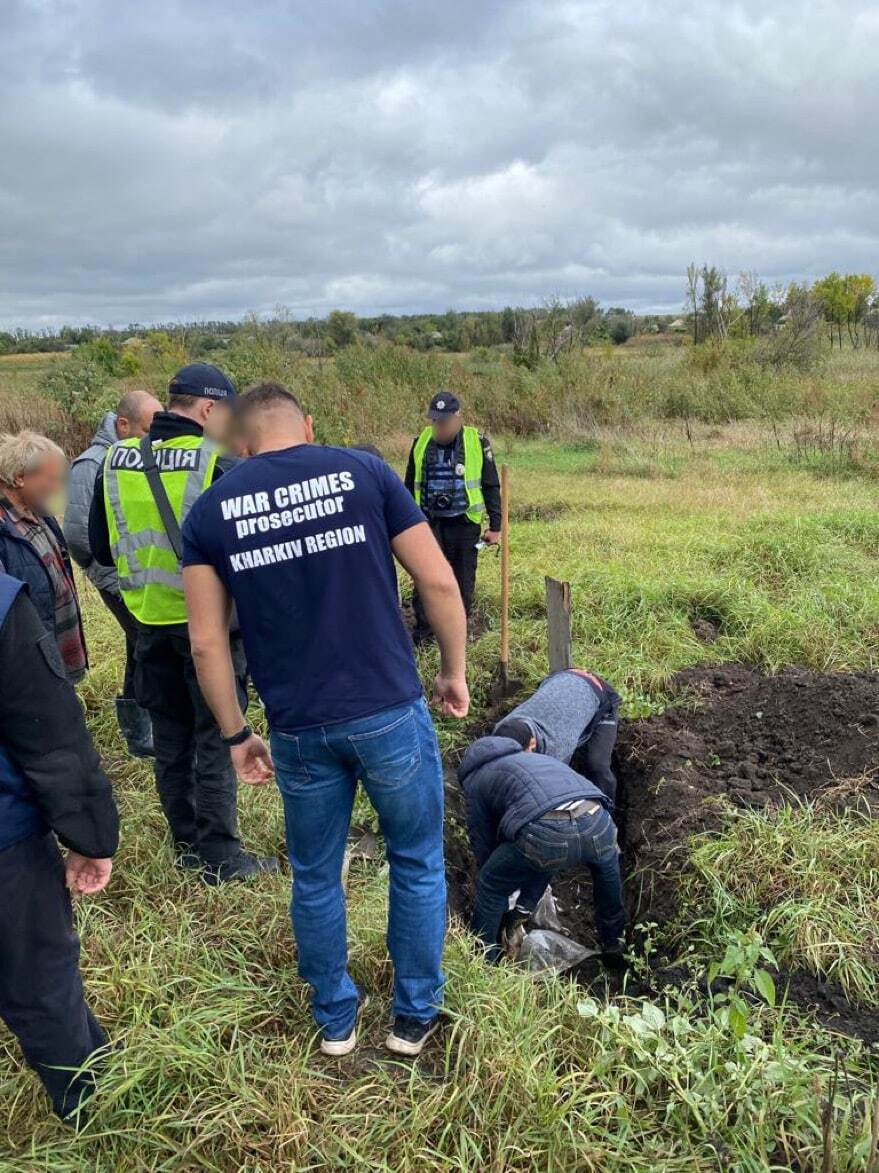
column 81, row 388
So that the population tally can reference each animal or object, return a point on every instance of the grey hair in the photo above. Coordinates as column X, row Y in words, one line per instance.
column 23, row 453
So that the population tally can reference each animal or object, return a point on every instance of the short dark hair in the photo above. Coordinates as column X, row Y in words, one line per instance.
column 187, row 402
column 265, row 395
column 518, row 730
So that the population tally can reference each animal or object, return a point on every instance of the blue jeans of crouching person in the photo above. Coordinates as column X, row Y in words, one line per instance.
column 541, row 850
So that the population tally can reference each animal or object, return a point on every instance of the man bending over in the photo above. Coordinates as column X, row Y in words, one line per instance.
column 529, row 817
column 570, row 711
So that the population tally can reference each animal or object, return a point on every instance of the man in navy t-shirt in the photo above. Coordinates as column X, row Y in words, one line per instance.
column 302, row 540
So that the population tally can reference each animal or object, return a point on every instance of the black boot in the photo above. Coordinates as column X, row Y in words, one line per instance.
column 136, row 727
column 243, row 866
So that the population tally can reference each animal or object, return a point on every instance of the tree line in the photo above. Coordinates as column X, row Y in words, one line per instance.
column 749, row 308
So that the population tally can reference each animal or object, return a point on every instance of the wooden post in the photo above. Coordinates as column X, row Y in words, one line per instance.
column 505, row 576
column 558, row 622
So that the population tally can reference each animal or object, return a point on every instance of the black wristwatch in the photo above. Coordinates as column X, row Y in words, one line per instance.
column 237, row 738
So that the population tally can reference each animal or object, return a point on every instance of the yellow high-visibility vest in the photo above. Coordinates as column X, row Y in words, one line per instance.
column 474, row 459
column 150, row 576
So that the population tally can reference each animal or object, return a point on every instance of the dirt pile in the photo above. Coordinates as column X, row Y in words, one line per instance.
column 737, row 735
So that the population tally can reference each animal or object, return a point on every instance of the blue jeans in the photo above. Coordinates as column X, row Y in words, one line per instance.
column 540, row 850
column 394, row 753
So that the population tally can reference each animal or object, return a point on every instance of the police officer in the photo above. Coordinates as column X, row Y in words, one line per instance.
column 144, row 493
column 453, row 477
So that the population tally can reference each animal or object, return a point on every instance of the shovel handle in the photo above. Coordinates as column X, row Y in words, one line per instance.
column 505, row 570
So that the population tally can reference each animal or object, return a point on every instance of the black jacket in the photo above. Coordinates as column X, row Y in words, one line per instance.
column 166, row 425
column 55, row 767
column 505, row 788
column 491, row 485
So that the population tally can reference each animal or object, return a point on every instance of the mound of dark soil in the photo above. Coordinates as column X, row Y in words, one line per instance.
column 739, row 735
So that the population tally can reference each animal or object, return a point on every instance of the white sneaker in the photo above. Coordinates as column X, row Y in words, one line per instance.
column 408, row 1035
column 336, row 1048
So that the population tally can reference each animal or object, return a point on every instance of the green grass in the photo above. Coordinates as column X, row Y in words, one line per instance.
column 787, row 564
column 806, row 879
column 218, row 1069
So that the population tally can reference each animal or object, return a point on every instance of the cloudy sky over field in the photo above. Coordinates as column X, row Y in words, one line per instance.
column 203, row 158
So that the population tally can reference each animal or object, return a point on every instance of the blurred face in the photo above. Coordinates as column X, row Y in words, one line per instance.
column 37, row 490
column 217, row 421
column 447, row 428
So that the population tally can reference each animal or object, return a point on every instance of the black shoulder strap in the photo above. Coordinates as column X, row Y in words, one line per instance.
column 154, row 480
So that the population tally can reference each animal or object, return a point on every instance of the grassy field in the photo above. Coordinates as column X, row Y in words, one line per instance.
column 218, row 1068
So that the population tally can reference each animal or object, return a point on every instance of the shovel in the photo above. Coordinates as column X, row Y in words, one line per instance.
column 502, row 686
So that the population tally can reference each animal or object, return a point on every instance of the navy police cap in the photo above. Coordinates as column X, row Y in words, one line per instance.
column 444, row 403
column 203, row 380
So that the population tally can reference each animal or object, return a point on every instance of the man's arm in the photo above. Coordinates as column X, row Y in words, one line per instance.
column 409, row 479
column 99, row 530
column 80, row 491
column 43, row 729
column 209, row 608
column 491, row 486
column 417, row 550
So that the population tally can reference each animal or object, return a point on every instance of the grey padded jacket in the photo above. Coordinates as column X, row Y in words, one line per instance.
column 80, row 490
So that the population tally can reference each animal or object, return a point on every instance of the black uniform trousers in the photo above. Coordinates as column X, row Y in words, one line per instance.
column 593, row 756
column 41, row 994
column 128, row 623
column 457, row 537
column 194, row 775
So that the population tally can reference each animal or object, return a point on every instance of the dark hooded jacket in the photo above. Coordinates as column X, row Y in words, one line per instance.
column 505, row 788
column 50, row 772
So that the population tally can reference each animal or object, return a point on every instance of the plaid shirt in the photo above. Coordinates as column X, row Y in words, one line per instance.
column 68, row 628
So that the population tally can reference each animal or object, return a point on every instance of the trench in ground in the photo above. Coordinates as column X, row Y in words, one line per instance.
column 736, row 734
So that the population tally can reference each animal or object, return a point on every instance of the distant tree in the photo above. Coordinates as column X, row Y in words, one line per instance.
column 341, row 328
column 620, row 326
column 582, row 311
column 757, row 303
column 797, row 340
column 847, row 299
column 693, row 283
column 508, row 324
column 716, row 303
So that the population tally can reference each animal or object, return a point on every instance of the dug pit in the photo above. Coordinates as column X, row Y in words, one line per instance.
column 732, row 735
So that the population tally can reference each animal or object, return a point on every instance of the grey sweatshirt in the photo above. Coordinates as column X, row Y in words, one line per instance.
column 558, row 713
column 80, row 490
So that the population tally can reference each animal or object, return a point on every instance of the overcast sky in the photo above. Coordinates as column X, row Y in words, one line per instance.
column 203, row 158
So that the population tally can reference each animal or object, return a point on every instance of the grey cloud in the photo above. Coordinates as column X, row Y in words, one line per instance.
column 190, row 159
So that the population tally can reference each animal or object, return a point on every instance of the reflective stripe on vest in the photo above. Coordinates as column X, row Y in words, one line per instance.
column 150, row 577
column 474, row 459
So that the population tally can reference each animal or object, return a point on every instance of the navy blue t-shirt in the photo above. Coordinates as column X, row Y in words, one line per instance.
column 302, row 540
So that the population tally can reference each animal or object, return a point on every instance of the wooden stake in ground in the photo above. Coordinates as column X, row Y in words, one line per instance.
column 505, row 578
column 558, row 624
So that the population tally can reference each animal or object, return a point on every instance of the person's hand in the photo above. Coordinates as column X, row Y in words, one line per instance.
column 451, row 695
column 85, row 876
column 492, row 537
column 252, row 761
